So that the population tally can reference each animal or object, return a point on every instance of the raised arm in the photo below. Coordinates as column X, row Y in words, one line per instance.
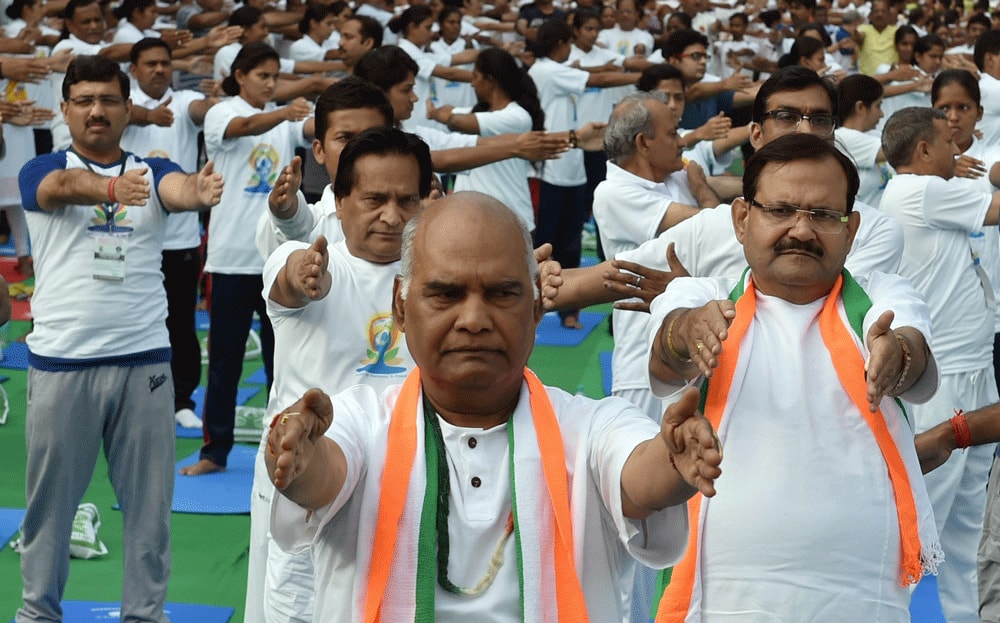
column 262, row 122
column 306, row 466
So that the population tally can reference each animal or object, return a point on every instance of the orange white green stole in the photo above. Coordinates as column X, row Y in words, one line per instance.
column 402, row 576
column 850, row 366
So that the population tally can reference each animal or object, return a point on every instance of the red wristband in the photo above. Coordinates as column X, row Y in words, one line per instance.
column 111, row 190
column 963, row 436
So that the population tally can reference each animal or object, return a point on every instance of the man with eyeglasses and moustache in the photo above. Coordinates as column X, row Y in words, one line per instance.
column 801, row 363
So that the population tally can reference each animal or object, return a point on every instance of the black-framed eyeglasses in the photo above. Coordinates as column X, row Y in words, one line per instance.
column 88, row 101
column 822, row 221
column 821, row 123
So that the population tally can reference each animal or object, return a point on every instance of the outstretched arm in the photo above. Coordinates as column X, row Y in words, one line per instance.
column 306, row 466
column 181, row 192
column 304, row 277
column 63, row 187
column 668, row 469
column 896, row 361
column 689, row 341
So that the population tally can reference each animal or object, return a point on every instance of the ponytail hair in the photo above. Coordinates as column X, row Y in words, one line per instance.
column 410, row 17
column 500, row 66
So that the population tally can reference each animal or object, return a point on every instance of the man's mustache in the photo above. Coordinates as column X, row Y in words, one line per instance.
column 791, row 244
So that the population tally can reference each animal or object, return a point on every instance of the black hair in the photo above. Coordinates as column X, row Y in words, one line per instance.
column 804, row 47
column 148, row 44
column 987, row 43
column 245, row 16
column 582, row 16
column 770, row 17
column 902, row 32
column 857, row 88
column 653, row 75
column 550, row 34
column 500, row 66
column 814, row 27
column 681, row 40
column 981, row 19
column 351, row 93
column 962, row 78
column 94, row 69
column 250, row 56
column 70, row 11
column 382, row 142
column 369, row 28
column 16, row 8
column 385, row 67
column 128, row 7
column 315, row 12
column 794, row 78
column 412, row 16
column 793, row 147
column 926, row 43
column 447, row 12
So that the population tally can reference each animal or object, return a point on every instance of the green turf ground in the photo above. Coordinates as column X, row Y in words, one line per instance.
column 209, row 551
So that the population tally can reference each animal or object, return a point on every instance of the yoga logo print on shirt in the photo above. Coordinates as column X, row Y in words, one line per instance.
column 264, row 163
column 111, row 218
column 382, row 357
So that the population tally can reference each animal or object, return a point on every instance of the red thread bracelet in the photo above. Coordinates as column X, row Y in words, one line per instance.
column 963, row 436
column 111, row 190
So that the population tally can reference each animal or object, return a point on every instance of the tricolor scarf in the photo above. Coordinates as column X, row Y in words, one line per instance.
column 920, row 551
column 403, row 573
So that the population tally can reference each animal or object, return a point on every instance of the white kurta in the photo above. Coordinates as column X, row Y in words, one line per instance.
column 598, row 437
column 804, row 525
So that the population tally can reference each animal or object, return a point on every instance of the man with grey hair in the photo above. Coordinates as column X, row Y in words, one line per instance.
column 937, row 218
column 472, row 449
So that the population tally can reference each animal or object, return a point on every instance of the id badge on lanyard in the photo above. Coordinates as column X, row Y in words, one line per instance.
column 110, row 244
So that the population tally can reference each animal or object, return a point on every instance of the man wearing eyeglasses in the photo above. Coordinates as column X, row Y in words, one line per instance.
column 707, row 95
column 937, row 219
column 99, row 355
column 798, row 363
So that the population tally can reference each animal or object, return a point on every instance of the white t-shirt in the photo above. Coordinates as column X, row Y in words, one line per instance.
column 596, row 103
column 937, row 218
column 559, row 90
column 863, row 148
column 986, row 242
column 346, row 338
column 767, row 545
column 598, row 437
column 79, row 317
column 250, row 165
column 128, row 33
column 506, row 180
column 178, row 143
column 306, row 49
column 426, row 63
column 450, row 92
column 628, row 210
column 903, row 100
column 989, row 88
column 624, row 42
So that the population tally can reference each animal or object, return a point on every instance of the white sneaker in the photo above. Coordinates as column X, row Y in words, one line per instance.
column 187, row 419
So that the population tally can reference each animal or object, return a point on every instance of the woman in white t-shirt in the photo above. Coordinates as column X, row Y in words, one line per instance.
column 249, row 139
column 135, row 21
column 859, row 100
column 415, row 29
column 451, row 42
column 508, row 104
column 317, row 25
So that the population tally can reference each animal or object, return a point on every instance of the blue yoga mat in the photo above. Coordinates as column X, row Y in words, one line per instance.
column 243, row 394
column 201, row 322
column 259, row 377
column 925, row 606
column 15, row 356
column 605, row 359
column 96, row 611
column 550, row 331
column 221, row 493
column 10, row 523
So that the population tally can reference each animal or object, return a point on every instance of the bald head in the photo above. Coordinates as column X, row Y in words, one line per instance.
column 465, row 213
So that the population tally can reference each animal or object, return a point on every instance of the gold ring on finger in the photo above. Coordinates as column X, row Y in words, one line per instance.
column 284, row 419
column 700, row 346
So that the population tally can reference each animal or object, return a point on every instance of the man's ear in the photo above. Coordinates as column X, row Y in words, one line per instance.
column 741, row 212
column 398, row 313
column 318, row 151
column 756, row 135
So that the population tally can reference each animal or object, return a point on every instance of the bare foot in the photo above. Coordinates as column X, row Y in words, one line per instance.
column 204, row 466
column 571, row 322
